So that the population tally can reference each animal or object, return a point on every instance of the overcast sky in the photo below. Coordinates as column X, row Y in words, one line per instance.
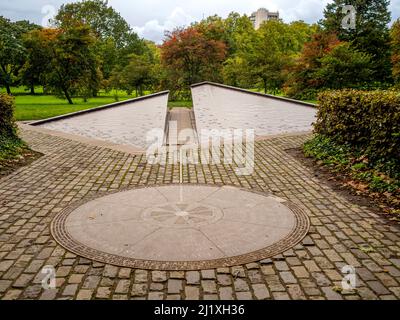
column 150, row 18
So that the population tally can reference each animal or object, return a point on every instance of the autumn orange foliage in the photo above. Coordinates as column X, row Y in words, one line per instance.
column 190, row 56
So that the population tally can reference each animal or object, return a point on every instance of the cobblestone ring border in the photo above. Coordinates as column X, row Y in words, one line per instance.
column 62, row 237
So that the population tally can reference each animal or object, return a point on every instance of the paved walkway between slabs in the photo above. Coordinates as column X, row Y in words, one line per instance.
column 181, row 127
column 72, row 172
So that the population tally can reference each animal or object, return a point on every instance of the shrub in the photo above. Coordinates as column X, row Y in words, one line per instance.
column 8, row 128
column 366, row 121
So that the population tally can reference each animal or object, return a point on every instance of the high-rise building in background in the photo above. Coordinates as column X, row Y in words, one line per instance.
column 262, row 15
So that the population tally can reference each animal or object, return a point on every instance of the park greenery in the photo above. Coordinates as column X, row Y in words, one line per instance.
column 11, row 145
column 357, row 133
column 14, row 152
column 90, row 49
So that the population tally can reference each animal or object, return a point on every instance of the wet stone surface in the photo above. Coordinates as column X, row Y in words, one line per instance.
column 190, row 226
column 69, row 171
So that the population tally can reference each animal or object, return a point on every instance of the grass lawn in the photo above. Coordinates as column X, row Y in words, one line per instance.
column 40, row 106
column 280, row 94
column 180, row 104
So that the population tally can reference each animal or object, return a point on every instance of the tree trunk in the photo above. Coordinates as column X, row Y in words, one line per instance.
column 8, row 88
column 68, row 96
column 32, row 89
column 265, row 86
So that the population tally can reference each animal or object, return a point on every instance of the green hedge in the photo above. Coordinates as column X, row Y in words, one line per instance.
column 367, row 121
column 7, row 123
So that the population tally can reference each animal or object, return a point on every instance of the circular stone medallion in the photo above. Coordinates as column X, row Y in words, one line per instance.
column 180, row 227
column 182, row 215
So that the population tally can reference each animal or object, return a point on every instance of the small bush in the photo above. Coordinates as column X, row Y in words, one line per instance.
column 367, row 122
column 8, row 129
column 12, row 148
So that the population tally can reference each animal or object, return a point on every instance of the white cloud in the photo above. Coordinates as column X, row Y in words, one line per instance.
column 154, row 30
column 307, row 10
column 190, row 11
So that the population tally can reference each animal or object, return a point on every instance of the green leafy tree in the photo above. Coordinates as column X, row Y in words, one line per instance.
column 116, row 82
column 344, row 67
column 12, row 51
column 139, row 73
column 104, row 20
column 236, row 72
column 238, row 29
column 371, row 33
column 153, row 51
column 116, row 40
column 272, row 51
column 36, row 64
column 395, row 44
column 302, row 33
column 230, row 30
column 72, row 66
column 108, row 56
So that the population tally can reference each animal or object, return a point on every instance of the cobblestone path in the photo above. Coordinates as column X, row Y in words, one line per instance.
column 341, row 233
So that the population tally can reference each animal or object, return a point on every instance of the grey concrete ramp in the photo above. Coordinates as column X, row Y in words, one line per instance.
column 222, row 107
column 125, row 123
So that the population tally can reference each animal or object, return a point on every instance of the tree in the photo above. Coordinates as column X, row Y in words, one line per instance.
column 190, row 57
column 72, row 66
column 37, row 58
column 108, row 56
column 229, row 30
column 271, row 51
column 103, row 20
column 116, row 82
column 344, row 67
column 302, row 33
column 116, row 40
column 371, row 33
column 238, row 28
column 302, row 81
column 153, row 51
column 12, row 52
column 139, row 73
column 212, row 28
column 395, row 44
column 236, row 72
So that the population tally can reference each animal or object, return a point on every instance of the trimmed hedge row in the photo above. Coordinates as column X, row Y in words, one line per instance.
column 8, row 127
column 367, row 121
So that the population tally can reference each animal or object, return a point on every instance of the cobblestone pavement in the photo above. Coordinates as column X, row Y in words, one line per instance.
column 341, row 233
